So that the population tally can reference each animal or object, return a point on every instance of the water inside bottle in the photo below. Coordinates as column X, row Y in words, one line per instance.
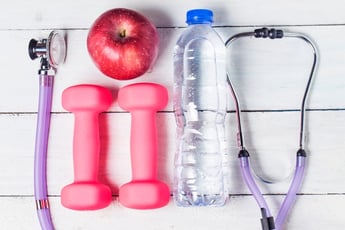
column 201, row 118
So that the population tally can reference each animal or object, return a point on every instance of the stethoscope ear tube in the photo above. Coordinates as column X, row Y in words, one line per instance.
column 267, row 221
column 293, row 190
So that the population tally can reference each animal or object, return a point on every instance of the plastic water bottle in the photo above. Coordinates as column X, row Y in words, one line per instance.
column 200, row 109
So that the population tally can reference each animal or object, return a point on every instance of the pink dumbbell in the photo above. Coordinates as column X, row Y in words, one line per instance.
column 143, row 100
column 86, row 102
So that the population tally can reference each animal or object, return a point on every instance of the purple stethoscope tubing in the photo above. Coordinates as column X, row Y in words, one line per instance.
column 292, row 193
column 267, row 221
column 52, row 52
column 289, row 198
column 40, row 163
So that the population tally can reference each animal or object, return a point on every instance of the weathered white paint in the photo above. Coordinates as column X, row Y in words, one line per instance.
column 269, row 76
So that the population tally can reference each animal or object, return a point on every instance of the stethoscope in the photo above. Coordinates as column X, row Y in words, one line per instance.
column 52, row 52
column 267, row 221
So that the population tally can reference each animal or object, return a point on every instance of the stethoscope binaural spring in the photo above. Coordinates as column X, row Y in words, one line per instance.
column 267, row 221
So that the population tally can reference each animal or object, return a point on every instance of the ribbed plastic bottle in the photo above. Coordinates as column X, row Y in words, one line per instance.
column 200, row 107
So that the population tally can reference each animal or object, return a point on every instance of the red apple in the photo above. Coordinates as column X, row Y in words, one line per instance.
column 123, row 43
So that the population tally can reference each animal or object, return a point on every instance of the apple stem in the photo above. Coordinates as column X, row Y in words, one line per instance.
column 122, row 33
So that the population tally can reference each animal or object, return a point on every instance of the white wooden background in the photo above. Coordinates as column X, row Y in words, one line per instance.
column 270, row 77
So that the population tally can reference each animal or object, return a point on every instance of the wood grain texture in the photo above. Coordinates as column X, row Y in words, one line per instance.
column 270, row 77
column 241, row 213
column 80, row 14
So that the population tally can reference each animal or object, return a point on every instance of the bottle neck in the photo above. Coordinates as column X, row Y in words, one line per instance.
column 199, row 24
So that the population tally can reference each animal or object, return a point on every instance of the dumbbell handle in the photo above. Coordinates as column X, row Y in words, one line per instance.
column 143, row 144
column 86, row 146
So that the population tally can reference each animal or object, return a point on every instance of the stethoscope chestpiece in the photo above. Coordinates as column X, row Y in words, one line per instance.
column 53, row 49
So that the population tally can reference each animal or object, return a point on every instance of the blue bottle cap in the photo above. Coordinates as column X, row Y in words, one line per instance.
column 199, row 16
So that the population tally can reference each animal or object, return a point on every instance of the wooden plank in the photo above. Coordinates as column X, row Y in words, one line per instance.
column 241, row 213
column 267, row 75
column 272, row 139
column 38, row 14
